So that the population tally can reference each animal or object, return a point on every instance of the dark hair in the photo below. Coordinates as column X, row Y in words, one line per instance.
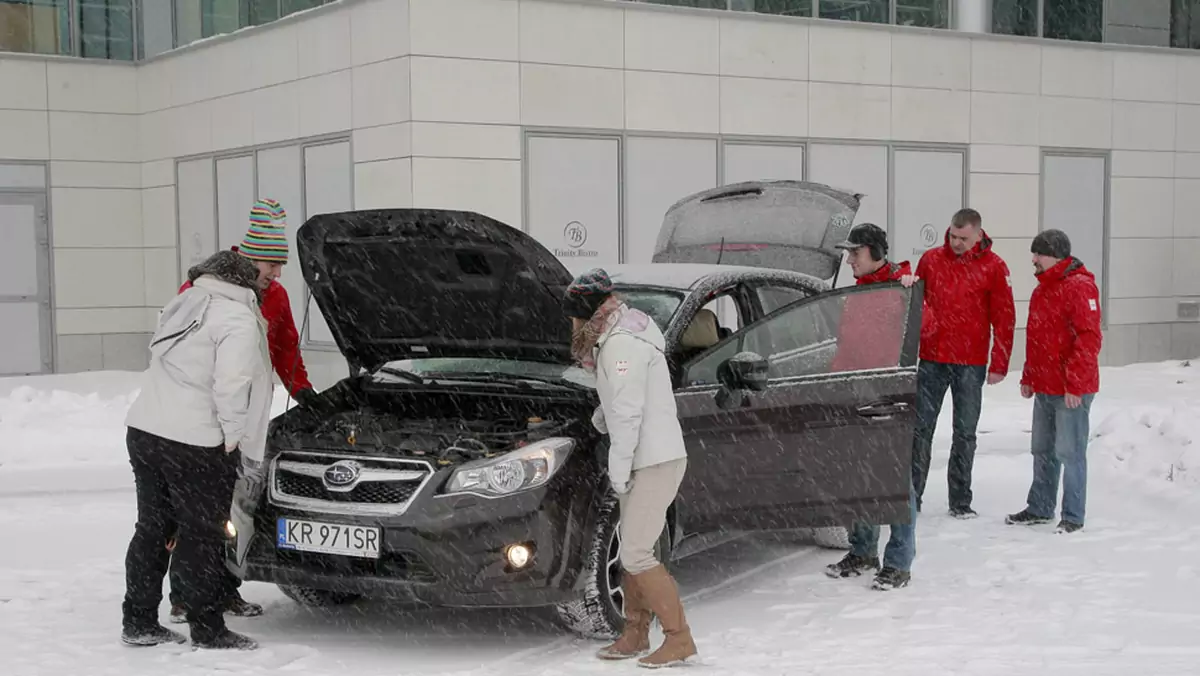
column 964, row 217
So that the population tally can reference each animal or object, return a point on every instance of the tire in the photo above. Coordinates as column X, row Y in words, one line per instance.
column 831, row 537
column 599, row 613
column 318, row 598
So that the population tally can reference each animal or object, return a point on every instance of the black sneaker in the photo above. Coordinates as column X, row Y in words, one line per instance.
column 240, row 607
column 1065, row 526
column 852, row 565
column 1025, row 518
column 178, row 615
column 227, row 640
column 963, row 513
column 150, row 636
column 890, row 578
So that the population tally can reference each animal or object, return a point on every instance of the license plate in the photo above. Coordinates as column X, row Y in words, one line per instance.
column 327, row 538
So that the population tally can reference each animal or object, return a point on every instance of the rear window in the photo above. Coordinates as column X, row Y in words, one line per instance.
column 658, row 303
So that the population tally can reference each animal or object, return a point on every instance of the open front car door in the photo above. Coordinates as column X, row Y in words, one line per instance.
column 805, row 418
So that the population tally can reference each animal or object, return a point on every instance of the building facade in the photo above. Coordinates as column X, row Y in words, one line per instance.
column 116, row 176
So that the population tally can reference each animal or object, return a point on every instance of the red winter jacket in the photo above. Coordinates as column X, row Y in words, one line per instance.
column 871, row 331
column 970, row 297
column 1062, row 353
column 283, row 340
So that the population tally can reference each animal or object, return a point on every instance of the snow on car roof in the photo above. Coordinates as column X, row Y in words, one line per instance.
column 669, row 275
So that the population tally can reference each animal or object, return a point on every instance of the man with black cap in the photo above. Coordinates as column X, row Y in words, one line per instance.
column 624, row 348
column 871, row 333
column 1062, row 376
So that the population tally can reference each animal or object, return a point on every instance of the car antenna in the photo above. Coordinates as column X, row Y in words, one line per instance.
column 721, row 251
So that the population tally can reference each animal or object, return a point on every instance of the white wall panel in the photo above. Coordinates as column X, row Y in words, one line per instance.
column 197, row 217
column 279, row 178
column 235, row 197
column 574, row 206
column 754, row 162
column 327, row 189
column 658, row 173
column 928, row 190
column 857, row 168
column 1073, row 200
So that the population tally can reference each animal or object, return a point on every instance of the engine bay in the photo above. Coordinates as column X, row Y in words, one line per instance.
column 447, row 441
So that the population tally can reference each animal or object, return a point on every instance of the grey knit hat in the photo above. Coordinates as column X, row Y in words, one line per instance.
column 1052, row 243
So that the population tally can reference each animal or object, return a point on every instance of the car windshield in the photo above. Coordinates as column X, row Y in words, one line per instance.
column 660, row 304
column 483, row 366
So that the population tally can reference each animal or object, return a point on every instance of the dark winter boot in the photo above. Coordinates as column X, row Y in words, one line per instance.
column 661, row 595
column 151, row 635
column 240, row 607
column 963, row 513
column 890, row 578
column 852, row 565
column 1025, row 518
column 635, row 637
column 226, row 640
column 1065, row 526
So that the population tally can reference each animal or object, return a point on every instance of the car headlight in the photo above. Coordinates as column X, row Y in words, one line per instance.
column 519, row 470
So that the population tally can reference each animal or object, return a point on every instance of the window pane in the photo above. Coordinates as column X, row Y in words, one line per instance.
column 1074, row 20
column 784, row 7
column 925, row 13
column 1073, row 198
column 106, row 29
column 750, row 162
column 658, row 172
column 261, row 11
column 774, row 297
column 293, row 6
column 35, row 26
column 1185, row 23
column 1015, row 17
column 219, row 16
column 702, row 4
column 870, row 11
column 189, row 22
column 156, row 34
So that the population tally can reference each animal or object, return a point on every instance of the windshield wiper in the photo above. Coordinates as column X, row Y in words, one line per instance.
column 493, row 377
column 401, row 373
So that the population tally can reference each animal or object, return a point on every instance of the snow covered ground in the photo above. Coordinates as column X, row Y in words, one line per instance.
column 1122, row 597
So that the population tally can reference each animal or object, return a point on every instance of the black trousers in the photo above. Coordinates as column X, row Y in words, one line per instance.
column 232, row 582
column 183, row 491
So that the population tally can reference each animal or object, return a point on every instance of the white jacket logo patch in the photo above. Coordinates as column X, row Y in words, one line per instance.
column 1092, row 304
column 622, row 368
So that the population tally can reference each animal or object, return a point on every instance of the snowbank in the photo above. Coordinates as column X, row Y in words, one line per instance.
column 67, row 432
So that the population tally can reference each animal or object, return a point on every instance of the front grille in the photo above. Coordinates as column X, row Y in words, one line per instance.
column 384, row 486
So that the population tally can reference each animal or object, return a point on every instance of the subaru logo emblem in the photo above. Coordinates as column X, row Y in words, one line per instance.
column 342, row 474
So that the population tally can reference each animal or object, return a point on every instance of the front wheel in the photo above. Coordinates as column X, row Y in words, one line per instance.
column 600, row 612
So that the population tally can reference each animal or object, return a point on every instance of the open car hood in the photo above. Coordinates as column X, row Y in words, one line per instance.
column 411, row 283
column 788, row 225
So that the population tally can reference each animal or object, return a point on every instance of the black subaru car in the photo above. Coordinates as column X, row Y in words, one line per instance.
column 458, row 466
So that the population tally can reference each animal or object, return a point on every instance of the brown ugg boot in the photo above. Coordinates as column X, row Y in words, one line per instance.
column 635, row 638
column 661, row 595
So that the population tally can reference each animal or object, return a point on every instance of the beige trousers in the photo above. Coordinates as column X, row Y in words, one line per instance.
column 644, row 512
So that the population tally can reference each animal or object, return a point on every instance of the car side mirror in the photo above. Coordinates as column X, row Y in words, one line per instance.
column 739, row 375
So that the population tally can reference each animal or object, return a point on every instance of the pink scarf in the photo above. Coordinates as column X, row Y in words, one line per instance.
column 583, row 342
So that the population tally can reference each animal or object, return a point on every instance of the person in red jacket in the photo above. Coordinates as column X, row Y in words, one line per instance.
column 266, row 245
column 871, row 335
column 969, row 292
column 1062, row 376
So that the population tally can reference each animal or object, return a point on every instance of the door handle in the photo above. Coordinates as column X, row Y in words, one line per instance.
column 882, row 410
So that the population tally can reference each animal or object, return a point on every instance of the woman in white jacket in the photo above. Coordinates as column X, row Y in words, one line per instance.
column 206, row 395
column 646, row 457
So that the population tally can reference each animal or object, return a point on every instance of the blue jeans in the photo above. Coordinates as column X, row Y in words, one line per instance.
column 966, row 392
column 902, row 544
column 1059, row 446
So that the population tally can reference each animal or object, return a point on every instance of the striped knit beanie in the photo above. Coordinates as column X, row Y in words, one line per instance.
column 266, row 239
column 587, row 293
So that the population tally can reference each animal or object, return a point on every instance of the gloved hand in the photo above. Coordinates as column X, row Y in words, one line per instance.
column 252, row 478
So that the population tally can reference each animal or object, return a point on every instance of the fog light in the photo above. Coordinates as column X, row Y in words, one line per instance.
column 518, row 556
column 230, row 529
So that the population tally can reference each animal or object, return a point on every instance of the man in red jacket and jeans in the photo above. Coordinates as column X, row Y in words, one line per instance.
column 1062, row 375
column 266, row 245
column 968, row 291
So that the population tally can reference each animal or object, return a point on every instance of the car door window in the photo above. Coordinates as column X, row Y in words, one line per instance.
column 855, row 329
column 771, row 298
